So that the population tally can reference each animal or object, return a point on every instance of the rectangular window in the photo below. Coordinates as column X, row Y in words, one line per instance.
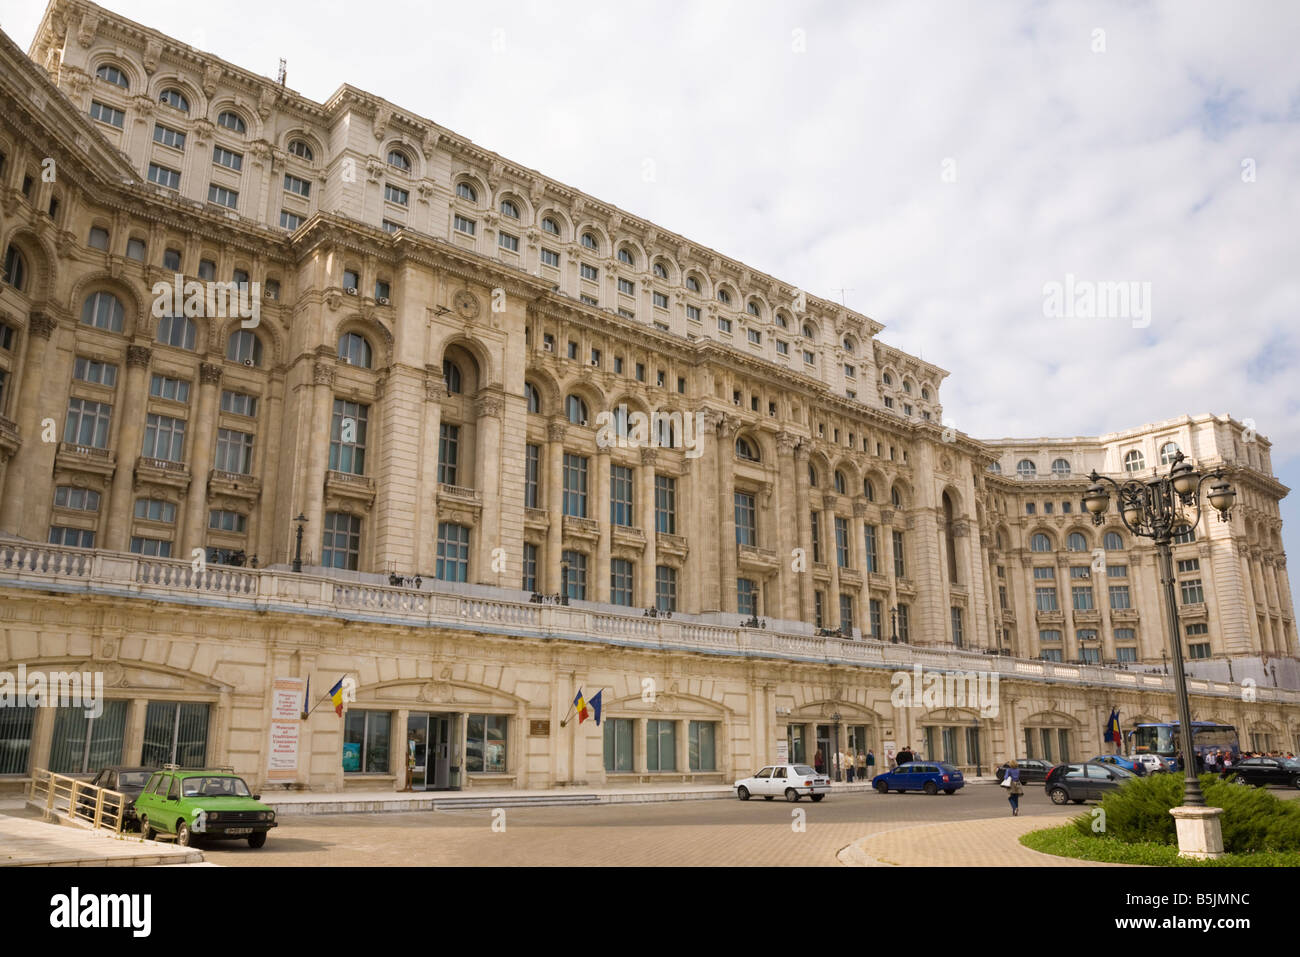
column 957, row 633
column 665, row 588
column 1192, row 592
column 626, row 313
column 900, row 569
column 223, row 520
column 165, row 387
column 1045, row 573
column 573, row 575
column 666, row 504
column 532, row 472
column 341, row 541
column 620, row 495
column 163, row 176
column 660, row 300
column 782, row 347
column 463, row 225
column 1125, row 654
column 550, row 258
column 620, row 582
column 107, row 114
column 1081, row 597
column 746, row 596
column 1117, row 571
column 155, row 510
column 661, row 745
column 72, row 537
column 300, row 187
column 755, row 336
column 904, row 623
column 589, row 272
column 168, row 136
column 1119, row 597
column 508, row 242
column 448, row 453
column 724, row 325
column 575, row 485
column 348, row 437
column 16, row 723
column 234, row 452
column 77, row 499
column 530, row 567
column 222, row 196
column 701, row 747
column 289, row 221
column 872, row 563
column 1045, row 599
column 453, row 553
column 588, row 300
column 175, row 732
column 817, row 609
column 238, row 403
column 693, row 313
column 815, row 525
column 1049, row 634
column 846, row 614
column 96, row 373
column 618, row 744
column 874, row 617
column 227, row 158
column 625, row 287
column 164, row 438
column 746, row 519
column 1188, row 565
column 1199, row 650
column 841, row 542
column 366, row 741
column 809, row 358
column 151, row 547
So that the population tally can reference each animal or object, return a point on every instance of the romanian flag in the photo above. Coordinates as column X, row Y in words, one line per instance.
column 581, row 706
column 595, row 706
column 1112, row 731
column 336, row 695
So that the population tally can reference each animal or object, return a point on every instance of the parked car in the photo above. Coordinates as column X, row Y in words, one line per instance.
column 928, row 776
column 1262, row 771
column 1131, row 765
column 1154, row 763
column 127, row 781
column 1032, row 770
column 207, row 803
column 1084, row 782
column 792, row 781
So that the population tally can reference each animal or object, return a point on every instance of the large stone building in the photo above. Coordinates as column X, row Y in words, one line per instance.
column 425, row 393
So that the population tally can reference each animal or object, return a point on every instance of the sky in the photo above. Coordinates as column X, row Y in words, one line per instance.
column 932, row 165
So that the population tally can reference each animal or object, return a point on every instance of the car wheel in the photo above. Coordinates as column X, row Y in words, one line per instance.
column 742, row 793
column 1295, row 781
column 146, row 832
column 257, row 840
column 791, row 795
column 817, row 797
column 182, row 834
column 1059, row 796
column 768, row 797
column 949, row 790
column 931, row 788
column 1239, row 779
column 882, row 787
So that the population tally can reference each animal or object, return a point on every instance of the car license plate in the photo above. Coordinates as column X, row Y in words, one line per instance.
column 239, row 830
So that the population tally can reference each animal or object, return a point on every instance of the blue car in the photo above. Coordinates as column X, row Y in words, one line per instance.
column 928, row 776
column 1128, row 764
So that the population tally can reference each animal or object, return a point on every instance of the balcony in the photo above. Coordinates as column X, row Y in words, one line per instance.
column 1124, row 614
column 752, row 556
column 671, row 544
column 9, row 438
column 1053, row 617
column 357, row 487
column 86, row 458
column 628, row 535
column 587, row 528
column 851, row 576
column 1087, row 616
column 459, row 493
column 162, row 472
column 235, row 484
column 537, row 518
column 1194, row 610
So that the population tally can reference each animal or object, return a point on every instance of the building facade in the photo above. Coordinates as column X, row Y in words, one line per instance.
column 532, row 444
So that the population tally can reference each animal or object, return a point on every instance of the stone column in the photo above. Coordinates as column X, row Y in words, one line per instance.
column 270, row 432
column 691, row 596
column 645, row 508
column 487, row 480
column 599, row 575
column 703, row 524
column 549, row 577
column 130, row 429
column 318, row 443
column 426, row 508
column 727, row 549
column 27, row 476
column 857, row 527
column 831, row 613
column 803, row 518
column 787, row 527
column 201, row 454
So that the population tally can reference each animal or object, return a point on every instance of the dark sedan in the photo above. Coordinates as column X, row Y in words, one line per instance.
column 1084, row 782
column 127, row 781
column 1032, row 770
column 1262, row 771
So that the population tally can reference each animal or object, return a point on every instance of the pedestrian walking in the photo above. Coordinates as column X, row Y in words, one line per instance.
column 1211, row 762
column 871, row 764
column 819, row 762
column 1011, row 781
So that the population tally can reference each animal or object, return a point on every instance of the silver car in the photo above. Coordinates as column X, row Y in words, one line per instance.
column 792, row 781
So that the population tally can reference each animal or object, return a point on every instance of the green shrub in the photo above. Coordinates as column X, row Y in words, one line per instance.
column 1253, row 820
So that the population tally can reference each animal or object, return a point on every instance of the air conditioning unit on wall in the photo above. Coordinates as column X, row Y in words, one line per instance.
column 351, row 290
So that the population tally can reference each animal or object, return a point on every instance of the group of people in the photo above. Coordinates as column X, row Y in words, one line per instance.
column 863, row 763
column 1221, row 762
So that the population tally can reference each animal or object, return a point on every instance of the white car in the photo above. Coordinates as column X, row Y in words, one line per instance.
column 792, row 781
column 1151, row 763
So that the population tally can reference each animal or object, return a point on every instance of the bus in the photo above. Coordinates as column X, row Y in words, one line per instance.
column 1165, row 738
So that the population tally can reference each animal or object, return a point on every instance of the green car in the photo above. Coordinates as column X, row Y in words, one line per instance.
column 207, row 803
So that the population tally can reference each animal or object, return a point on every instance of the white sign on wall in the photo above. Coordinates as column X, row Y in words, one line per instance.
column 286, row 721
column 782, row 751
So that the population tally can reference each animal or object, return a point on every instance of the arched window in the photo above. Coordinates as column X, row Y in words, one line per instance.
column 399, row 160
column 1026, row 468
column 15, row 268
column 176, row 331
column 550, row 226
column 925, row 394
column 1076, row 542
column 1113, row 542
column 808, row 332
column 467, row 192
column 1168, row 452
column 724, row 297
column 896, row 497
column 620, row 421
column 625, row 256
column 354, row 350
column 103, row 310
column 175, row 99
column 907, row 386
column 1061, row 468
column 868, row 490
column 781, row 320
column 300, row 149
column 451, row 375
column 244, row 347
column 889, row 379
column 1040, row 543
column 590, row 241
column 1134, row 461
column 745, row 450
column 751, row 307
column 692, row 284
column 812, row 476
column 533, row 396
column 996, row 468
column 233, row 122
column 660, row 272
column 848, row 345
column 839, row 482
column 576, row 410
column 508, row 208
column 113, row 75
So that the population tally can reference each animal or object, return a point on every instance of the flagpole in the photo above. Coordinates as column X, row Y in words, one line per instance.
column 328, row 694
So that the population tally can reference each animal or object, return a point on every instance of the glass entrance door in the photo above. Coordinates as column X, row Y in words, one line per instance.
column 824, row 746
column 417, row 748
column 440, row 730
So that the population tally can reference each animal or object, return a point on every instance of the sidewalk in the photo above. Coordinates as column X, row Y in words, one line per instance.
column 991, row 842
column 25, row 842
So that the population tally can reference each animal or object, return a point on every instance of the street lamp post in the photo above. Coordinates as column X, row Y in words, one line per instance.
column 297, row 549
column 1156, row 509
column 893, row 624
column 835, row 745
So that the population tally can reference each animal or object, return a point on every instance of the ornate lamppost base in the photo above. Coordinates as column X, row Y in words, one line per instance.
column 1200, row 833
